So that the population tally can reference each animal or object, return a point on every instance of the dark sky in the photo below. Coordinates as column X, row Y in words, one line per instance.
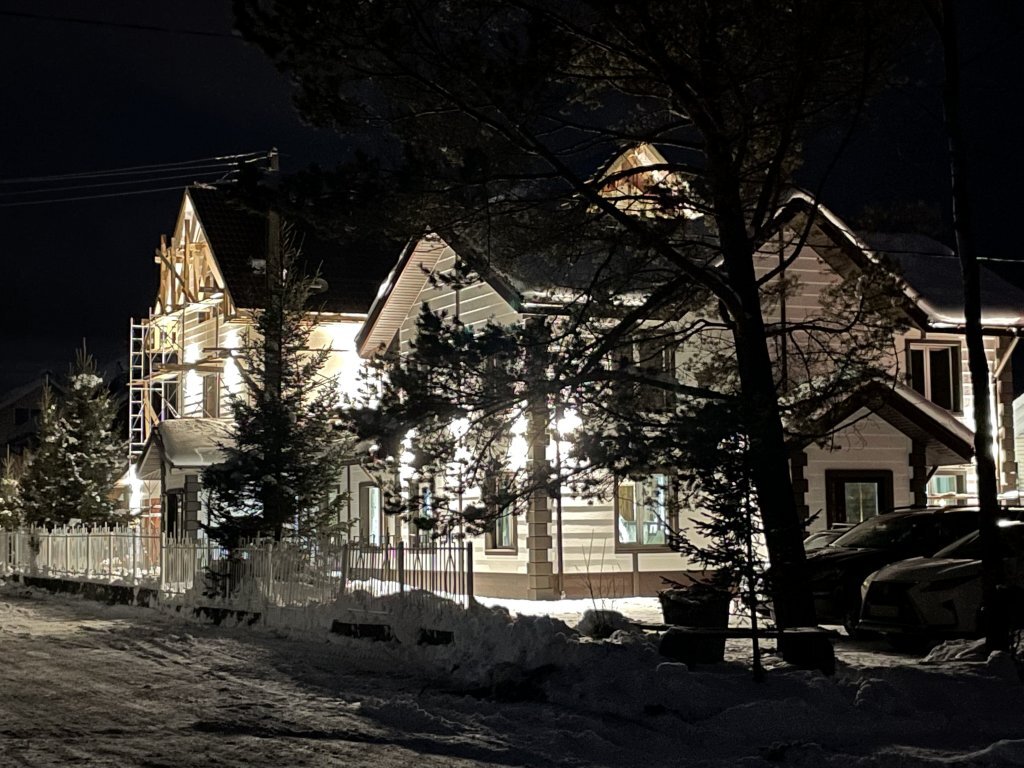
column 84, row 97
column 109, row 94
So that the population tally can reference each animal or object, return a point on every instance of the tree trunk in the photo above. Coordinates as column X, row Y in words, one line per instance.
column 994, row 620
column 770, row 463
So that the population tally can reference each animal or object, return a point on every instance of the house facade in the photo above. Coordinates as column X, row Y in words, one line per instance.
column 183, row 364
column 906, row 442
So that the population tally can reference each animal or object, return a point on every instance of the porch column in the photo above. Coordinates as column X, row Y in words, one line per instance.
column 191, row 506
column 918, row 473
column 539, row 568
column 1004, row 421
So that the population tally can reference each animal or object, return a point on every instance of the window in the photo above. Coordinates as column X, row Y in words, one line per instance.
column 211, row 396
column 934, row 371
column 643, row 511
column 947, row 489
column 25, row 415
column 501, row 535
column 370, row 514
column 650, row 359
column 853, row 496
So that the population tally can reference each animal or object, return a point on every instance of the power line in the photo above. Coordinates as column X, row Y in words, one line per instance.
column 94, row 197
column 119, row 25
column 220, row 160
column 150, row 180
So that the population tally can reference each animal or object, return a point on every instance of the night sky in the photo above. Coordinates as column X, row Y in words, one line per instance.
column 113, row 93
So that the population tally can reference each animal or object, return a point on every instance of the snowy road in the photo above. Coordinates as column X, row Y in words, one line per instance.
column 89, row 685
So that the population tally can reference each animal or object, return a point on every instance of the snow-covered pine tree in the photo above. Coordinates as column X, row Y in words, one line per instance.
column 10, row 490
column 73, row 471
column 41, row 481
column 279, row 476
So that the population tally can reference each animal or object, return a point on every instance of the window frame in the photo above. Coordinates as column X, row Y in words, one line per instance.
column 671, row 504
column 835, row 498
column 508, row 515
column 956, row 371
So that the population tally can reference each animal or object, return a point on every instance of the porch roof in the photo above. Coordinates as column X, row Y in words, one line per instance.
column 189, row 443
column 946, row 440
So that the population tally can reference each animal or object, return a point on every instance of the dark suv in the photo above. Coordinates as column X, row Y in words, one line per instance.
column 837, row 570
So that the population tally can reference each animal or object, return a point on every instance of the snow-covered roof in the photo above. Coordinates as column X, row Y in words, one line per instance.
column 185, row 444
column 933, row 271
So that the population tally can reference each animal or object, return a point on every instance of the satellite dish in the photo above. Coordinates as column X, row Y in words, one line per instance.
column 317, row 285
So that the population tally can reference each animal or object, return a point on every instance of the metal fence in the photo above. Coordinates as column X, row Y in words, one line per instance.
column 263, row 574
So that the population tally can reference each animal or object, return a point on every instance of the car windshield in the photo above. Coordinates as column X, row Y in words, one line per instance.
column 882, row 532
column 921, row 533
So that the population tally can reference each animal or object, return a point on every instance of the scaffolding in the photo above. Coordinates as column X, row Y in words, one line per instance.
column 154, row 343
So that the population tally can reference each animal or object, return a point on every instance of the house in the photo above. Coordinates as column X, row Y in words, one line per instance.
column 213, row 275
column 19, row 414
column 908, row 442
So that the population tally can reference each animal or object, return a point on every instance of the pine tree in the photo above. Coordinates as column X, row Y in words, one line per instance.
column 72, row 474
column 40, row 485
column 10, row 490
column 278, row 475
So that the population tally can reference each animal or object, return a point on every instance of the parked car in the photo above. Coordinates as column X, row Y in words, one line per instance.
column 820, row 539
column 928, row 598
column 837, row 571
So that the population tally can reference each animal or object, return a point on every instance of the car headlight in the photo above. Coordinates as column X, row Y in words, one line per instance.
column 944, row 584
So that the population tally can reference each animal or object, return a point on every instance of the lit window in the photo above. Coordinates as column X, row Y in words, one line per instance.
column 934, row 371
column 370, row 514
column 501, row 533
column 642, row 511
column 947, row 489
column 853, row 496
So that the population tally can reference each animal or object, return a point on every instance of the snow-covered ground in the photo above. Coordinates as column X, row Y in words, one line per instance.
column 92, row 685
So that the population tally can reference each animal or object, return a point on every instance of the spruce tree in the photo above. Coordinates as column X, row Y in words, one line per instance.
column 278, row 475
column 10, row 490
column 40, row 484
column 72, row 474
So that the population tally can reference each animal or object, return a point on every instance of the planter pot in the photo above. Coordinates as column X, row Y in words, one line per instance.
column 691, row 610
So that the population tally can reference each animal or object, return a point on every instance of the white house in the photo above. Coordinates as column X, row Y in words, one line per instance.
column 906, row 443
column 212, row 276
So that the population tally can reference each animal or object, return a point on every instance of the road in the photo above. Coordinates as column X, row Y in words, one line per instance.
column 90, row 685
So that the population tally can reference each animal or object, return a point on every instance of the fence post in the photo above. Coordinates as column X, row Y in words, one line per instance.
column 110, row 554
column 135, row 538
column 270, row 573
column 163, row 559
column 469, row 573
column 344, row 568
column 49, row 555
column 401, row 566
column 88, row 552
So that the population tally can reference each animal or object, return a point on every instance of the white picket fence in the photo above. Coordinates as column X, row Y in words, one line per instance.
column 263, row 574
column 112, row 555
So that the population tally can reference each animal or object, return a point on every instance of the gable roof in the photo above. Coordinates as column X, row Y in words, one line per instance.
column 929, row 271
column 237, row 235
column 946, row 440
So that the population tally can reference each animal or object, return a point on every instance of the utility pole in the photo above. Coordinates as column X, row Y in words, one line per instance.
column 274, row 506
column 993, row 612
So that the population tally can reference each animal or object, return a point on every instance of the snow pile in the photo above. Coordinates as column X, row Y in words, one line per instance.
column 511, row 677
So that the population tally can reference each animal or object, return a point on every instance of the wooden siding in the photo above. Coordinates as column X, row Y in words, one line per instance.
column 474, row 305
column 869, row 444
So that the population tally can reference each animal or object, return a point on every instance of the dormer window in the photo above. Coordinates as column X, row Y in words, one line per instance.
column 934, row 371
